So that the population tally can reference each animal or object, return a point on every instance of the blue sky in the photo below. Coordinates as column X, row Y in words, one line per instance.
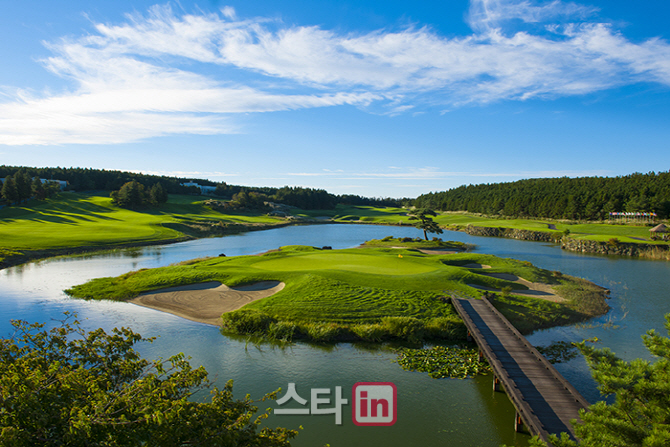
column 377, row 98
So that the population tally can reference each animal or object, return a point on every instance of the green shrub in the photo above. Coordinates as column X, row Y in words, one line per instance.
column 247, row 321
column 369, row 332
column 444, row 328
column 405, row 328
column 387, row 238
column 282, row 331
column 322, row 332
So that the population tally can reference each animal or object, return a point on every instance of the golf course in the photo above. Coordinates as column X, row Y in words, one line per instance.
column 371, row 293
column 72, row 222
column 83, row 222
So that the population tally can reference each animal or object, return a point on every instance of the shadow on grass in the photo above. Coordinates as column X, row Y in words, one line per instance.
column 67, row 209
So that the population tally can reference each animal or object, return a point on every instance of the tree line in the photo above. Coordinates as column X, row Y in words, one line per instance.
column 21, row 186
column 584, row 198
column 85, row 179
column 134, row 195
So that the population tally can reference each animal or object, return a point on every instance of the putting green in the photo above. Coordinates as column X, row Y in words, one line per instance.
column 380, row 265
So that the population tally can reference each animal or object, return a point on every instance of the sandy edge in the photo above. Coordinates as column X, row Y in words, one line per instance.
column 205, row 302
column 536, row 289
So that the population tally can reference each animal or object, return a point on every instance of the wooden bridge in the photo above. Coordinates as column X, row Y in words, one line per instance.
column 545, row 402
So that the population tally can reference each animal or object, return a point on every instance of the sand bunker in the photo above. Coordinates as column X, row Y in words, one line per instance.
column 535, row 289
column 477, row 266
column 437, row 251
column 205, row 302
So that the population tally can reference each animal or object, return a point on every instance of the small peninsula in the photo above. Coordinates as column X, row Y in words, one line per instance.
column 389, row 289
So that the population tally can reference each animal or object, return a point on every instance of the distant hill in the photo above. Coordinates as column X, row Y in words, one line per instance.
column 85, row 179
column 587, row 198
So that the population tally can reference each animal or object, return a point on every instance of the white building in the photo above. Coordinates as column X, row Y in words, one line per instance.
column 61, row 183
column 203, row 189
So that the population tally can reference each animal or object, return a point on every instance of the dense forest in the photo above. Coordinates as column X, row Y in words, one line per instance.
column 585, row 198
column 84, row 179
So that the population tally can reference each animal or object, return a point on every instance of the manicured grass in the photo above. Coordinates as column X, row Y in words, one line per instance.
column 349, row 213
column 76, row 220
column 366, row 293
column 347, row 261
column 459, row 220
column 591, row 231
column 408, row 242
column 88, row 220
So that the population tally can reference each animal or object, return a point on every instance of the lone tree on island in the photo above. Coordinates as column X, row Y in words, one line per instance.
column 426, row 223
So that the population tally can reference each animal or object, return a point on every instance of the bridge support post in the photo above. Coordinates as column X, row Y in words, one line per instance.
column 519, row 426
column 496, row 383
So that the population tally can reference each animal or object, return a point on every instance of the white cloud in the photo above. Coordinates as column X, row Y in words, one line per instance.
column 489, row 14
column 163, row 73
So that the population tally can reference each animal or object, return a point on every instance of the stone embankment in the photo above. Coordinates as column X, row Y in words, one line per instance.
column 616, row 248
column 513, row 233
column 612, row 247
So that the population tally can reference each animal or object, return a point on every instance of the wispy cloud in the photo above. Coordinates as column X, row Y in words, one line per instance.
column 485, row 15
column 162, row 73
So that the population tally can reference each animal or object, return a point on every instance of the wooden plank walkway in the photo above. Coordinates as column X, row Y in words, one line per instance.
column 545, row 402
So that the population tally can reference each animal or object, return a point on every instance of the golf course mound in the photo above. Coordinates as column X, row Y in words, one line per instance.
column 367, row 293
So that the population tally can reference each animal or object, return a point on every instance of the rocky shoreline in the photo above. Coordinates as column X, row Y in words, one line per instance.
column 612, row 247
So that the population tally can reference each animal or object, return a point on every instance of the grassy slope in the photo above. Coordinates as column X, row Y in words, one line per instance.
column 592, row 231
column 347, row 287
column 419, row 243
column 75, row 220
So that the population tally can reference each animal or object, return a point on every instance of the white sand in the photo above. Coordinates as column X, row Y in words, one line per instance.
column 205, row 302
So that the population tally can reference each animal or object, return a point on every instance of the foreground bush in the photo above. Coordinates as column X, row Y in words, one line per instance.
column 639, row 414
column 70, row 387
column 256, row 323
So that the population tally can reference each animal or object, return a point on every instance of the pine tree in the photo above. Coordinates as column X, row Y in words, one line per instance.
column 157, row 194
column 38, row 189
column 131, row 195
column 9, row 191
column 640, row 413
column 426, row 223
column 23, row 185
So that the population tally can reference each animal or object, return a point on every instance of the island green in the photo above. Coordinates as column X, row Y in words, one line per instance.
column 368, row 293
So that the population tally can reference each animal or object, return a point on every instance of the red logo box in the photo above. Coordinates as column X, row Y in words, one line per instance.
column 374, row 403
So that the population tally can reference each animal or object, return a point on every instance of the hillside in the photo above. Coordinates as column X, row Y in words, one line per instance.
column 585, row 198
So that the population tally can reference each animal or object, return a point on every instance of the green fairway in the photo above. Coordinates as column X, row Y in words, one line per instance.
column 73, row 220
column 367, row 293
column 76, row 220
column 459, row 220
column 386, row 265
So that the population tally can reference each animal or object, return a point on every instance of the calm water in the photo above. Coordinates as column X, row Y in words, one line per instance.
column 430, row 412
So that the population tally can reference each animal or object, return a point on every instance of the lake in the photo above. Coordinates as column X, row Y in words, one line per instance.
column 430, row 412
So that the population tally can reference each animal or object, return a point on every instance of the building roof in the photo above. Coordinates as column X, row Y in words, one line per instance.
column 660, row 228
